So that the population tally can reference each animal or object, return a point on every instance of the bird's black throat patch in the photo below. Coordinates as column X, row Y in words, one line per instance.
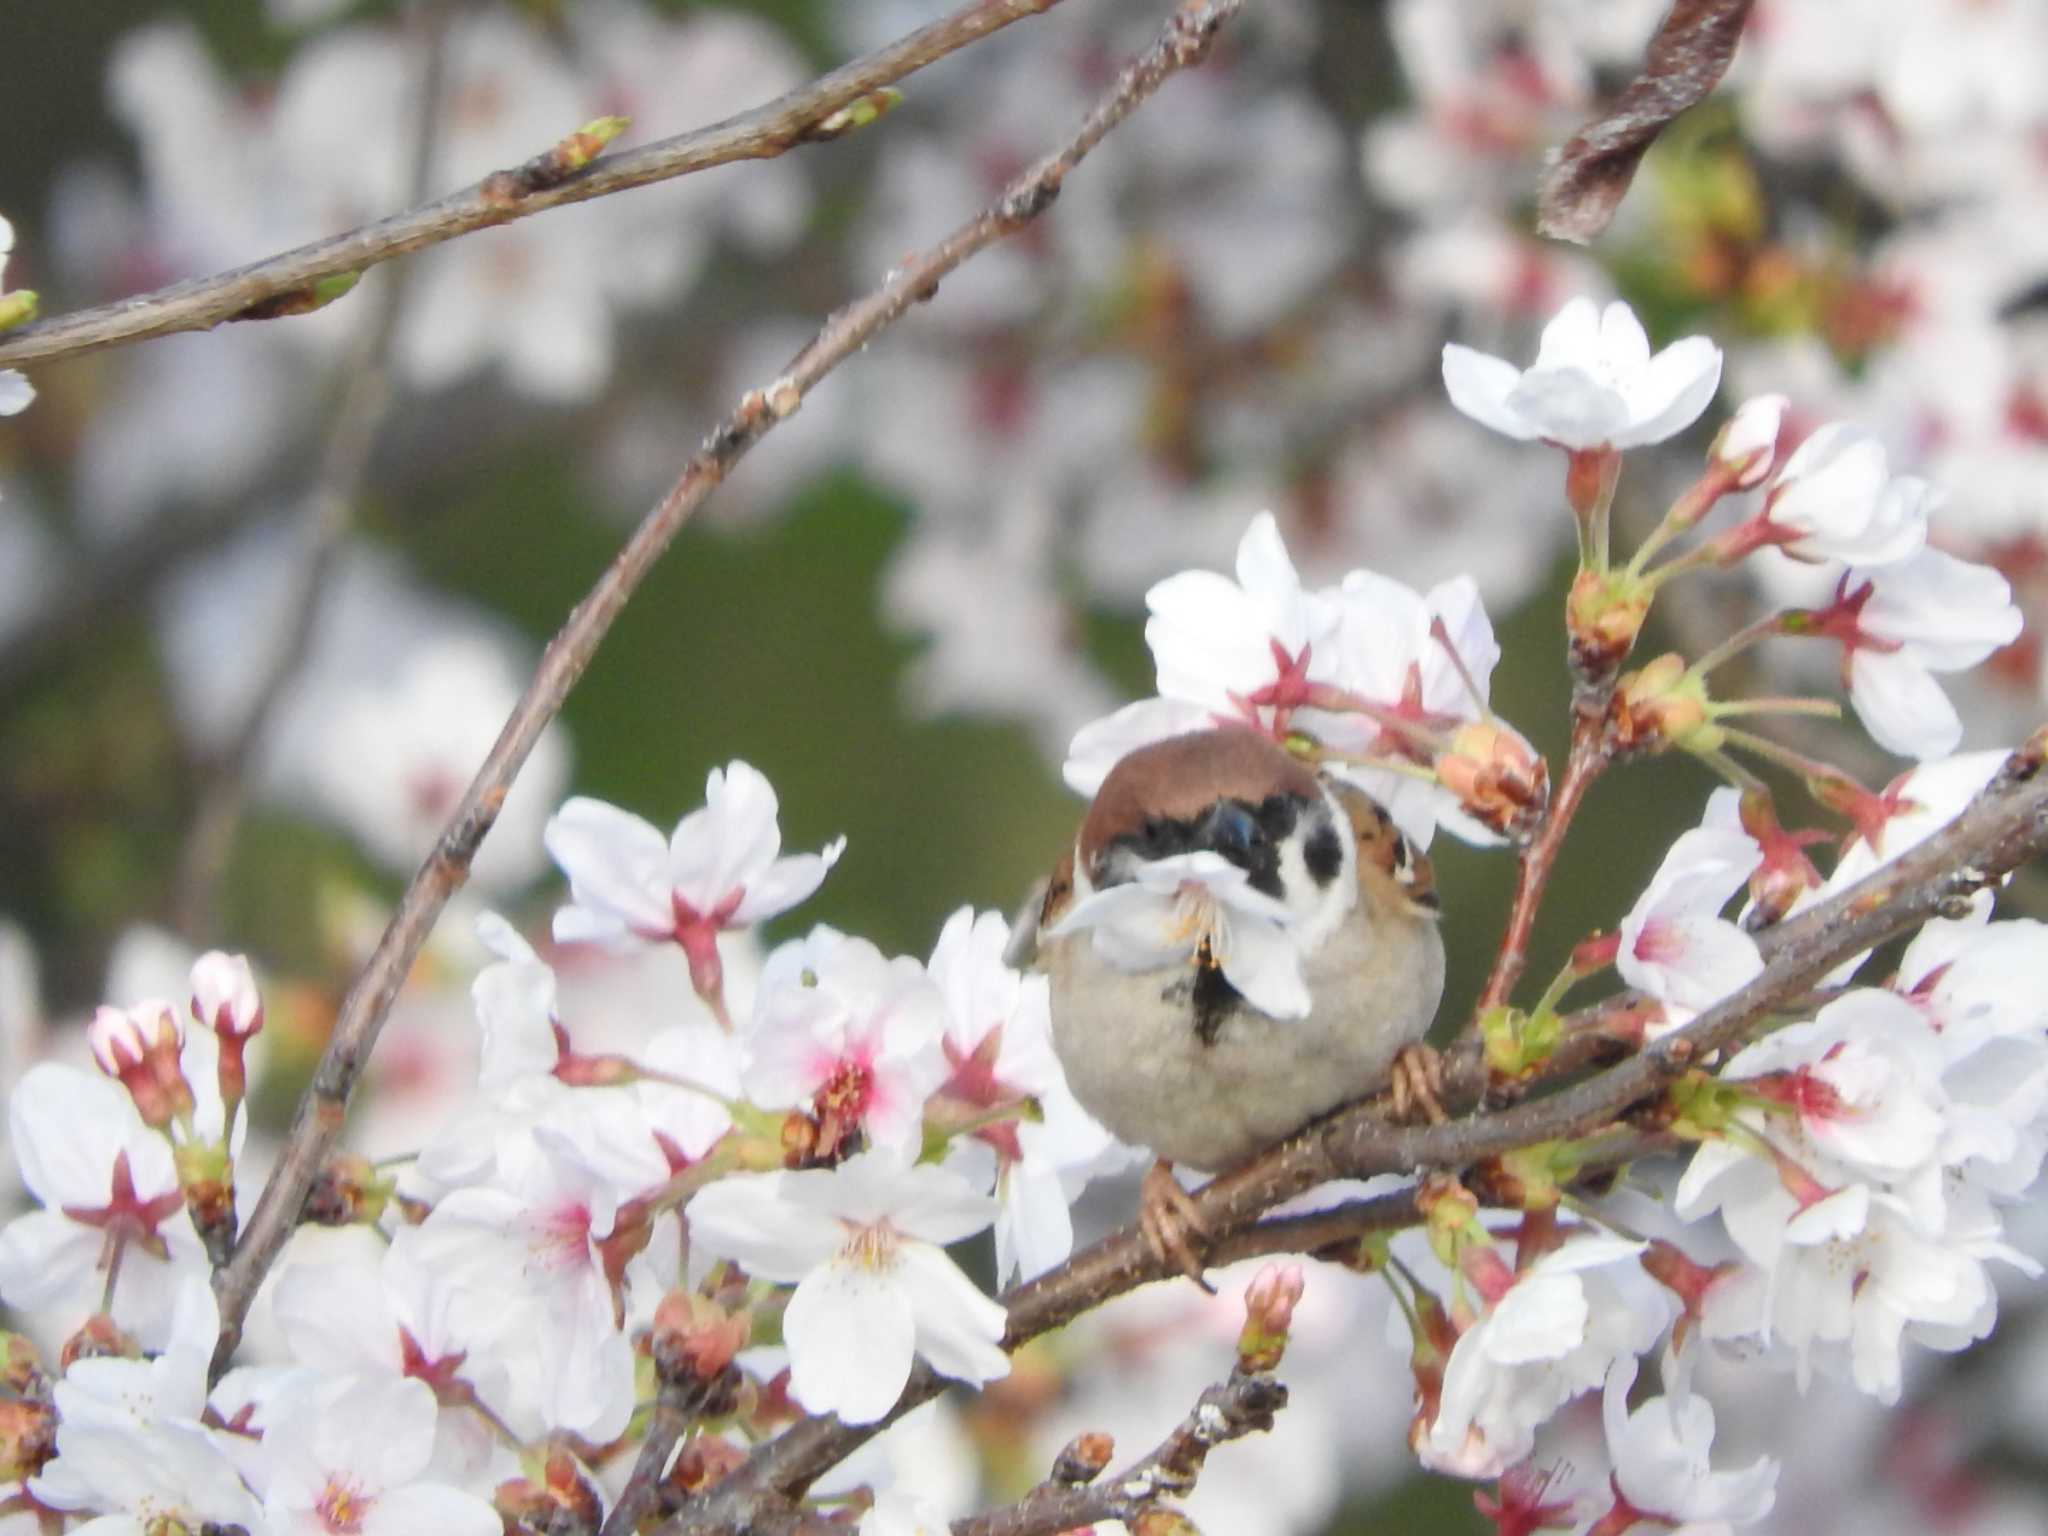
column 1213, row 997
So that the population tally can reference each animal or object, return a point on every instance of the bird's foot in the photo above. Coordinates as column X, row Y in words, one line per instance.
column 1416, row 1090
column 1173, row 1226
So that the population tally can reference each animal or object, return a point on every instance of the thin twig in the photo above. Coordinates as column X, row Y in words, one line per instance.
column 676, row 1407
column 324, row 1106
column 795, row 118
column 1231, row 1409
column 1589, row 757
column 364, row 402
column 2004, row 827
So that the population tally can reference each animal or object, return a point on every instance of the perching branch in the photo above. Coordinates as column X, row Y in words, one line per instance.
column 324, row 1107
column 1241, row 1405
column 797, row 117
column 2005, row 827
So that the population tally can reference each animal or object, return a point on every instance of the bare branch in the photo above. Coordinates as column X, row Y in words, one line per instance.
column 796, row 118
column 1229, row 1410
column 1591, row 753
column 1686, row 59
column 324, row 1107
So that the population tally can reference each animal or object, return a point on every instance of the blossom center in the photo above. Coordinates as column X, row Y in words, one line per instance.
column 870, row 1245
column 343, row 1506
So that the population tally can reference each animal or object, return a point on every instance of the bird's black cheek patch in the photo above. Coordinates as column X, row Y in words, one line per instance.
column 1324, row 855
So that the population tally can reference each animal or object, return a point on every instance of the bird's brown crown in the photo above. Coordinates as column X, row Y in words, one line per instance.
column 1182, row 776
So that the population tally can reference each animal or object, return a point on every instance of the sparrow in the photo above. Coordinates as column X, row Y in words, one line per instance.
column 1255, row 875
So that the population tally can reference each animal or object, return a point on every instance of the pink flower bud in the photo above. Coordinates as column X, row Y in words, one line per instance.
column 117, row 1041
column 1272, row 1296
column 224, row 996
column 1748, row 444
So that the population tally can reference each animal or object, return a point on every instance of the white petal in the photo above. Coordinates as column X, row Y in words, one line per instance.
column 1901, row 704
column 1678, row 384
column 1263, row 964
column 1101, row 744
column 733, row 839
column 959, row 1330
column 744, row 1217
column 617, row 863
column 1571, row 408
column 784, row 884
column 851, row 1338
column 1479, row 386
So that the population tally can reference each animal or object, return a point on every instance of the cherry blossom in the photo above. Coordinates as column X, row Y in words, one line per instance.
column 719, row 869
column 352, row 1454
column 1899, row 624
column 543, row 1247
column 1675, row 945
column 864, row 1245
column 847, row 1036
column 1422, row 661
column 1661, row 1451
column 131, row 1446
column 1861, row 1083
column 998, row 1042
column 1834, row 499
column 1552, row 1333
column 1201, row 909
column 1910, row 810
column 109, row 1191
column 1747, row 443
column 1594, row 383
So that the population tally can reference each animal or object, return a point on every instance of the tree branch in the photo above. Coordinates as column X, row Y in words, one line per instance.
column 792, row 119
column 317, row 1125
column 1590, row 754
column 1231, row 1409
column 2005, row 827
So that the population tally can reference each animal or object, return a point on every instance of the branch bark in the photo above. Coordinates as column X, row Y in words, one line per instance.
column 323, row 1109
column 790, row 120
column 1231, row 1409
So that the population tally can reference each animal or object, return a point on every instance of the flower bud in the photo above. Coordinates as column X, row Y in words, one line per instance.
column 695, row 1339
column 1268, row 1313
column 117, row 1041
column 704, row 1462
column 99, row 1337
column 1603, row 614
column 224, row 996
column 348, row 1192
column 1499, row 779
column 21, row 1368
column 559, row 1499
column 1747, row 443
column 28, row 1438
column 139, row 1047
column 1449, row 1213
column 1664, row 705
column 1083, row 1460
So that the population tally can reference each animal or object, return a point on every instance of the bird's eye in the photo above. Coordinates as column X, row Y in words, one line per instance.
column 1233, row 829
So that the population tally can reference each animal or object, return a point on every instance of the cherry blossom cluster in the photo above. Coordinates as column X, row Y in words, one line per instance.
column 791, row 1172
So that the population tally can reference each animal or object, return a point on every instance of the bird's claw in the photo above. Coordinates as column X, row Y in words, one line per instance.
column 1416, row 1089
column 1173, row 1225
